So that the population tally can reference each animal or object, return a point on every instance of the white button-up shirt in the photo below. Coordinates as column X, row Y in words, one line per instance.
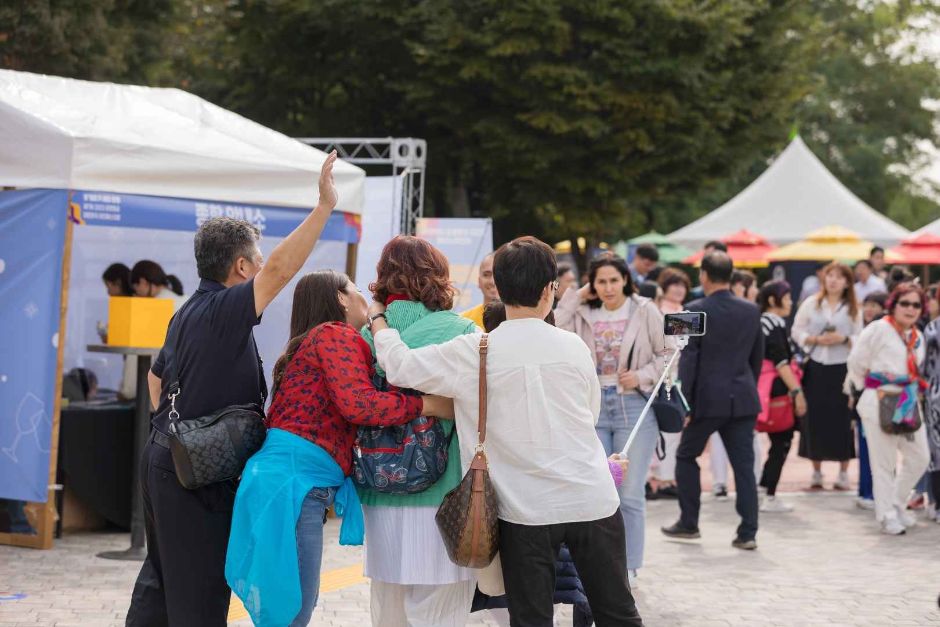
column 812, row 317
column 545, row 459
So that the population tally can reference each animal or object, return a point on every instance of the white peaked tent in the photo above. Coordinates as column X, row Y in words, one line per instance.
column 794, row 196
column 62, row 133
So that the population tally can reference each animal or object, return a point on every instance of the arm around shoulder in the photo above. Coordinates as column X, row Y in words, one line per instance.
column 432, row 369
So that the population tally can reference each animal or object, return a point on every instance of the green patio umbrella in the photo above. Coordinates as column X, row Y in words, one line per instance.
column 668, row 252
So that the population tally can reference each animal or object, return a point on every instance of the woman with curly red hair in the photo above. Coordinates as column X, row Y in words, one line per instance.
column 413, row 580
column 887, row 362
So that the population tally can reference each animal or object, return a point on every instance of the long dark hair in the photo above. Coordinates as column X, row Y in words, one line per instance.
column 151, row 271
column 120, row 274
column 316, row 301
column 608, row 259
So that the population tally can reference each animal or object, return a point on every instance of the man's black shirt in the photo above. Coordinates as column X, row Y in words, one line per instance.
column 218, row 363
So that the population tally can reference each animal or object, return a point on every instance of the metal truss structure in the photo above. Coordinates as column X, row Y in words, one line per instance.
column 406, row 156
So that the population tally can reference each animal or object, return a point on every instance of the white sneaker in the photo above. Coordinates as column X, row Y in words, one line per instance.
column 866, row 504
column 905, row 517
column 892, row 526
column 817, row 482
column 843, row 483
column 633, row 577
column 773, row 505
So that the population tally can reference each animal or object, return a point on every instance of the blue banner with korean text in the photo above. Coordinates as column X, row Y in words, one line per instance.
column 32, row 242
column 182, row 214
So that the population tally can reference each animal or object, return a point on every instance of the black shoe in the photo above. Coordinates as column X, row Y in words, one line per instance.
column 721, row 493
column 678, row 531
column 650, row 494
column 669, row 492
column 744, row 545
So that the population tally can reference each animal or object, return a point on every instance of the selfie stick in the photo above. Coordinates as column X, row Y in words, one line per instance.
column 681, row 342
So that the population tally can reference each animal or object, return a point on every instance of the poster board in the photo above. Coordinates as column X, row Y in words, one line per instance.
column 465, row 242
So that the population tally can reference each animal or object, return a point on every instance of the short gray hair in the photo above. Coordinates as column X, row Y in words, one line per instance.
column 220, row 242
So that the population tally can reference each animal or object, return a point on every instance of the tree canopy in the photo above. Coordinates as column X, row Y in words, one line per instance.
column 557, row 117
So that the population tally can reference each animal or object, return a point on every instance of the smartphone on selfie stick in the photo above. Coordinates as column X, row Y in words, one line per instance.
column 682, row 326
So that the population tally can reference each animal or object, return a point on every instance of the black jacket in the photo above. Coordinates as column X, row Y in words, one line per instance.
column 719, row 371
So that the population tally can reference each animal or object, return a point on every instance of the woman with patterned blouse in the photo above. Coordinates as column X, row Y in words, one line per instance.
column 323, row 390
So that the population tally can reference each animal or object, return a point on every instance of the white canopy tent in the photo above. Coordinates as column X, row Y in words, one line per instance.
column 62, row 133
column 794, row 196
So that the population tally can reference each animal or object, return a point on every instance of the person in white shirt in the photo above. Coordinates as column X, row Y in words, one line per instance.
column 825, row 327
column 887, row 358
column 546, row 462
column 867, row 282
column 149, row 280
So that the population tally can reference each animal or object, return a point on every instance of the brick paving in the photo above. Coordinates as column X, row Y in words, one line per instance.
column 824, row 564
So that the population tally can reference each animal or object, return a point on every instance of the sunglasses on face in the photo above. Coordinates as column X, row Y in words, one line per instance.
column 910, row 304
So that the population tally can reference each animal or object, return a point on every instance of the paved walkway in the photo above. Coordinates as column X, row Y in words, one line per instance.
column 824, row 564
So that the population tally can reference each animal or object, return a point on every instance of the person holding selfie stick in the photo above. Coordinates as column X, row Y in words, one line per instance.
column 719, row 374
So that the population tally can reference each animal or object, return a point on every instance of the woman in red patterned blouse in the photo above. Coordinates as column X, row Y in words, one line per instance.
column 322, row 390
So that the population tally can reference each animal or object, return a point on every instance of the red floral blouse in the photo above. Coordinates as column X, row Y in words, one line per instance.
column 327, row 390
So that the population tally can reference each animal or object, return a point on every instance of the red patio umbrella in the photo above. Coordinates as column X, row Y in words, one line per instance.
column 746, row 249
column 920, row 249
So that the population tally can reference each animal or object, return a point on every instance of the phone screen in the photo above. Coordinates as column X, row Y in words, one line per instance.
column 685, row 323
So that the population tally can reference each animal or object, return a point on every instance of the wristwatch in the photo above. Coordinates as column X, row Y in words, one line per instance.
column 795, row 393
column 375, row 317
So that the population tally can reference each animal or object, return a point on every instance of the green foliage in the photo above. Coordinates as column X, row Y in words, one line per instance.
column 560, row 118
column 91, row 39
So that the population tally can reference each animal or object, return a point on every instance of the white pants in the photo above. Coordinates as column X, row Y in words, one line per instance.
column 447, row 605
column 666, row 470
column 720, row 463
column 891, row 486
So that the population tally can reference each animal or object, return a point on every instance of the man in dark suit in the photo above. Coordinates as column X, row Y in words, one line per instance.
column 719, row 376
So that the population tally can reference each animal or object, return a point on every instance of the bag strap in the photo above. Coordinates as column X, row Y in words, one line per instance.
column 481, row 424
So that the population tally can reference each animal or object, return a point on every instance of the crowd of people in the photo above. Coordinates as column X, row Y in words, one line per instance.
column 569, row 370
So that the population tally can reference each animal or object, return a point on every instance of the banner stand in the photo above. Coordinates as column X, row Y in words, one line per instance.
column 45, row 525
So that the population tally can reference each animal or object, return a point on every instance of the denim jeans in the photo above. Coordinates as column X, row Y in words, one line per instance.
column 619, row 414
column 310, row 549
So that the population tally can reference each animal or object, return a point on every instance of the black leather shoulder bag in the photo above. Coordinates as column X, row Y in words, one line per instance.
column 212, row 448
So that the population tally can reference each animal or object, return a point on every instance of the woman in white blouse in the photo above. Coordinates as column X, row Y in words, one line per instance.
column 826, row 326
column 887, row 358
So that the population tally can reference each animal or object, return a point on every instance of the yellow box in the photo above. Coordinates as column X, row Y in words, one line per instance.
column 138, row 322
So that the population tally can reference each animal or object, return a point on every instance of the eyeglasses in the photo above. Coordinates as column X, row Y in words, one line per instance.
column 910, row 304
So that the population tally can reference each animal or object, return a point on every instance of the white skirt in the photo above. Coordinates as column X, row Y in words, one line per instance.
column 403, row 546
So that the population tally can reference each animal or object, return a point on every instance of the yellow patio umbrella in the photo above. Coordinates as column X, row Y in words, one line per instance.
column 564, row 247
column 828, row 243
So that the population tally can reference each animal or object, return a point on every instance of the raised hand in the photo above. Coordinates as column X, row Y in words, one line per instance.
column 328, row 194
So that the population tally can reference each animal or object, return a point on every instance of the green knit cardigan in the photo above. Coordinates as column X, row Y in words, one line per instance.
column 419, row 326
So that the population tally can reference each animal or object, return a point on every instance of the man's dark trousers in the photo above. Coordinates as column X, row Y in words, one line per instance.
column 598, row 549
column 182, row 583
column 738, row 437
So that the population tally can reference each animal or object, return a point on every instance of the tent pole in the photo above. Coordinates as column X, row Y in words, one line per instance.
column 352, row 252
column 925, row 276
column 47, row 521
